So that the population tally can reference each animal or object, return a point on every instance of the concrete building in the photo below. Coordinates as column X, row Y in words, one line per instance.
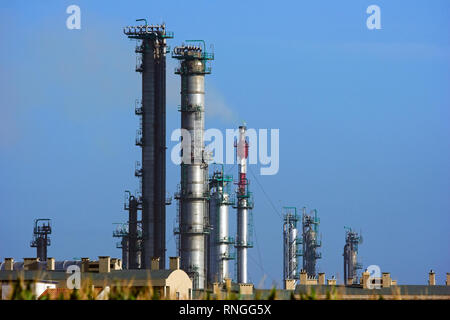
column 172, row 283
column 37, row 287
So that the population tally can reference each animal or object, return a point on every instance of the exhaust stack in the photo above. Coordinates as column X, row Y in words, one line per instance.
column 244, row 207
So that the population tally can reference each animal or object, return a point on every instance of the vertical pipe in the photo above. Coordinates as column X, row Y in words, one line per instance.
column 242, row 223
column 293, row 253
column 223, row 248
column 345, row 263
column 41, row 248
column 160, row 142
column 285, row 251
column 290, row 234
column 125, row 253
column 132, row 241
column 213, row 237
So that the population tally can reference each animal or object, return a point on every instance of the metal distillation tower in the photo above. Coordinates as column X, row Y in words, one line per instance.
column 219, row 239
column 290, row 243
column 151, row 137
column 351, row 265
column 310, row 241
column 193, row 193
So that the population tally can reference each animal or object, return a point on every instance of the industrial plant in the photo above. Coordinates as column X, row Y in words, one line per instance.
column 204, row 244
column 210, row 256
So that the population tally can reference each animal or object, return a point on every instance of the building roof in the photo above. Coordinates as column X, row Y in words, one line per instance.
column 42, row 265
column 114, row 275
column 409, row 290
column 343, row 292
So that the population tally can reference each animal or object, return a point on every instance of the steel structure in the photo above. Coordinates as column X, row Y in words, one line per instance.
column 351, row 264
column 42, row 228
column 151, row 137
column 121, row 231
column 130, row 233
column 134, row 237
column 310, row 241
column 193, row 193
column 244, row 206
column 290, row 243
column 219, row 239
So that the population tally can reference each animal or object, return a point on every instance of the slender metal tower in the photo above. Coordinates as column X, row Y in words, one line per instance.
column 151, row 137
column 351, row 264
column 290, row 242
column 193, row 193
column 310, row 241
column 244, row 207
column 41, row 241
column 131, row 233
column 121, row 231
column 132, row 205
column 219, row 239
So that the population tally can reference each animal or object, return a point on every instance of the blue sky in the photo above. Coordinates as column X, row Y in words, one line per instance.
column 363, row 118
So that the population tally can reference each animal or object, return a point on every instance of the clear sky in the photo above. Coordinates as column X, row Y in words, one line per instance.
column 363, row 118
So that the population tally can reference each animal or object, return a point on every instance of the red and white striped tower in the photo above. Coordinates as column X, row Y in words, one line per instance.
column 244, row 204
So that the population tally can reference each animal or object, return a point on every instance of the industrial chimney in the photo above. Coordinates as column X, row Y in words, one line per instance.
column 243, row 206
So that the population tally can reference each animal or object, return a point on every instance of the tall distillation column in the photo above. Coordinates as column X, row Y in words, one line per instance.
column 219, row 241
column 41, row 241
column 151, row 137
column 244, row 206
column 351, row 264
column 310, row 241
column 290, row 241
column 193, row 194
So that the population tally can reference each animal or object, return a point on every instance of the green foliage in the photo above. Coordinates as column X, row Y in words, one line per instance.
column 312, row 294
column 21, row 291
column 331, row 295
column 273, row 294
column 232, row 296
column 309, row 296
column 74, row 295
column 44, row 297
column 292, row 296
column 156, row 295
